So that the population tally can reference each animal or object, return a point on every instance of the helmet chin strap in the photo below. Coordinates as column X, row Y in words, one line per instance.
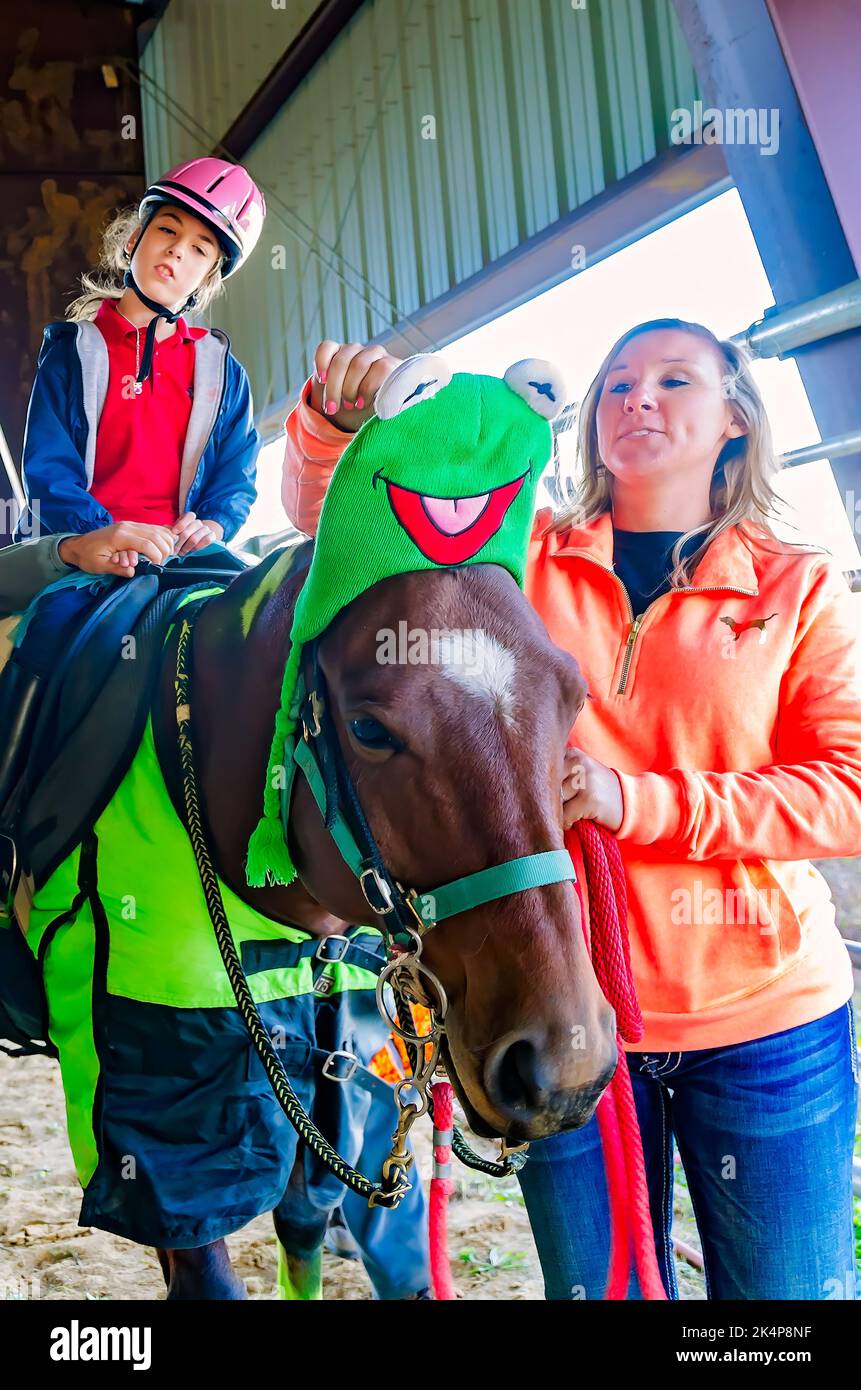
column 160, row 312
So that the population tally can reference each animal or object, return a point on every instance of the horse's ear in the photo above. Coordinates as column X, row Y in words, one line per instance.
column 416, row 379
column 539, row 383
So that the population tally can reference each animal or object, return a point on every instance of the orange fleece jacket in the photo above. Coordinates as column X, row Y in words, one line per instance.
column 738, row 749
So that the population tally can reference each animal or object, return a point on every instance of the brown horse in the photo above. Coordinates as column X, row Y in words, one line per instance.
column 470, row 778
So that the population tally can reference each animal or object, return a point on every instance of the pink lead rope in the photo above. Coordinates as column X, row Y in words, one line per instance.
column 630, row 1218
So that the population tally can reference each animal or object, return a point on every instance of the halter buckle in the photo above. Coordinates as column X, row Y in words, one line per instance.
column 316, row 710
column 382, row 888
column 331, row 1063
column 412, row 898
column 321, row 953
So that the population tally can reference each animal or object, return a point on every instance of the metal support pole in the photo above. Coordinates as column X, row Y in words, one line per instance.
column 12, row 499
column 741, row 66
column 837, row 448
column 781, row 330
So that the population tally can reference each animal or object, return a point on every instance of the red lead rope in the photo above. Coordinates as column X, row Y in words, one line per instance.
column 630, row 1219
column 441, row 1189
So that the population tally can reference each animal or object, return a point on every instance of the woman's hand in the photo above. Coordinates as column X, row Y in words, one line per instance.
column 116, row 549
column 347, row 377
column 192, row 534
column 590, row 791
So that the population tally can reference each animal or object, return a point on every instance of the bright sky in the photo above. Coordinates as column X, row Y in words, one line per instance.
column 703, row 267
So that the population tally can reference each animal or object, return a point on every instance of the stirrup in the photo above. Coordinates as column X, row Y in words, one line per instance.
column 20, row 701
column 10, row 869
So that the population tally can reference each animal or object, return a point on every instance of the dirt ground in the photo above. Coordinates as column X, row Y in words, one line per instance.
column 45, row 1254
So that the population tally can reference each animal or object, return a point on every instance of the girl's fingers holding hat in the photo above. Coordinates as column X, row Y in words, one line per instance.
column 357, row 371
column 378, row 372
column 333, row 391
column 323, row 356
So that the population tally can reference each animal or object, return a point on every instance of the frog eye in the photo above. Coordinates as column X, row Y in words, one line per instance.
column 416, row 379
column 540, row 384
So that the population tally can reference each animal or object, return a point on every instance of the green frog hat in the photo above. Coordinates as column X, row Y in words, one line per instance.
column 444, row 474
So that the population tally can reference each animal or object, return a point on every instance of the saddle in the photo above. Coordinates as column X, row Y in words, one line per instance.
column 96, row 705
column 92, row 719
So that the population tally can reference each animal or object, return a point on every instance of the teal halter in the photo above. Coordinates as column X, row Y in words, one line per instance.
column 384, row 895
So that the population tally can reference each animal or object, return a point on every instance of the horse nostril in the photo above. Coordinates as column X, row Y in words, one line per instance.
column 517, row 1082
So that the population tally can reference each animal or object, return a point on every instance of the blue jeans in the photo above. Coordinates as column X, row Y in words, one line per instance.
column 765, row 1132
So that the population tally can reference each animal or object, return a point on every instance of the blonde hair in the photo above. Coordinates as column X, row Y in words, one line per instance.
column 741, row 492
column 106, row 282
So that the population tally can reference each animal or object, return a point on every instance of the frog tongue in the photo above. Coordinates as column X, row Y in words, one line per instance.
column 451, row 515
column 450, row 531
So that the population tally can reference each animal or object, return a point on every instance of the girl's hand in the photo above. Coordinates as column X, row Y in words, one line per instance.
column 191, row 534
column 347, row 377
column 116, row 549
column 590, row 791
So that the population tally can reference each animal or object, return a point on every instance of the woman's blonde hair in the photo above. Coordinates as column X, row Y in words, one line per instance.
column 106, row 282
column 741, row 487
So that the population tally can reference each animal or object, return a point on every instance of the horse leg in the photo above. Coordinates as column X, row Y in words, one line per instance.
column 164, row 1261
column 202, row 1273
column 300, row 1229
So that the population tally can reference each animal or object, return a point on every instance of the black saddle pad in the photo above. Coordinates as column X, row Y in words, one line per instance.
column 96, row 707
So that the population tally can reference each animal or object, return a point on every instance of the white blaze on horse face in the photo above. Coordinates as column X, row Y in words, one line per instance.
column 479, row 664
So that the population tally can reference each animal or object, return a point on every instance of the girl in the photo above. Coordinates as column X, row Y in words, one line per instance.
column 134, row 416
column 722, row 746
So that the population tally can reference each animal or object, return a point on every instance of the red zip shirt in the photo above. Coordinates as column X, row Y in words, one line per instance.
column 140, row 438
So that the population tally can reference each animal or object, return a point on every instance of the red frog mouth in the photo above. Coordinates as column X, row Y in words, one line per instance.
column 449, row 530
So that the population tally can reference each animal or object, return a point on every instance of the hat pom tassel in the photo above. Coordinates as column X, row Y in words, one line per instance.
column 269, row 859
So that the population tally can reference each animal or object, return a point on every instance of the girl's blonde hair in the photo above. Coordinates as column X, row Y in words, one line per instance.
column 741, row 487
column 106, row 282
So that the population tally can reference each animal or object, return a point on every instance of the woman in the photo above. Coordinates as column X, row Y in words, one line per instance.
column 722, row 746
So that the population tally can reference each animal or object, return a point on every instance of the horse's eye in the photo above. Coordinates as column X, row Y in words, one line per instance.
column 371, row 734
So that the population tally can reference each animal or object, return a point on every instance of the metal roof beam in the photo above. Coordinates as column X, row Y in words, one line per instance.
column 304, row 52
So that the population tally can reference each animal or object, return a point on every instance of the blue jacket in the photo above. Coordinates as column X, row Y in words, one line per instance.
column 219, row 461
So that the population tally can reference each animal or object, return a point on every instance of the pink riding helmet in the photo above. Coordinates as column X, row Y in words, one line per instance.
column 222, row 194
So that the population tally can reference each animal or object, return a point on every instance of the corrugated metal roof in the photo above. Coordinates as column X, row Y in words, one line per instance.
column 204, row 61
column 430, row 141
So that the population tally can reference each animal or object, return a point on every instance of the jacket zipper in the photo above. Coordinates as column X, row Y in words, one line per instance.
column 222, row 390
column 637, row 621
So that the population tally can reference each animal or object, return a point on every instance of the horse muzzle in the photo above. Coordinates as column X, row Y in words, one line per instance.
column 536, row 1098
column 519, row 1094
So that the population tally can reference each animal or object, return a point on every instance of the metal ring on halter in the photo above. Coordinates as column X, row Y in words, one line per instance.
column 408, row 1084
column 437, row 1015
column 418, row 968
column 418, row 1083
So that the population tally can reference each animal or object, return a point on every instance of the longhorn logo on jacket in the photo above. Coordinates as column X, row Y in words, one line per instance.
column 739, row 628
